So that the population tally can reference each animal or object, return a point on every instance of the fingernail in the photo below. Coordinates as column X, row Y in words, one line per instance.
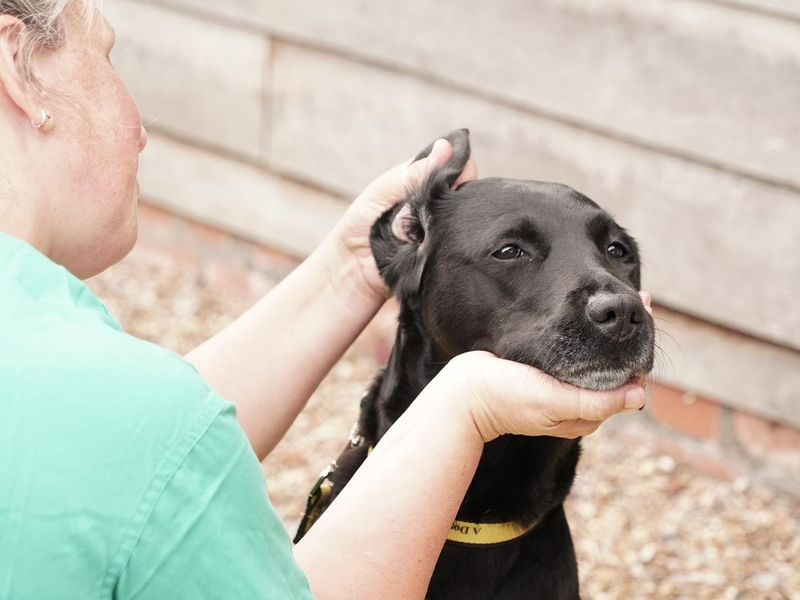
column 634, row 398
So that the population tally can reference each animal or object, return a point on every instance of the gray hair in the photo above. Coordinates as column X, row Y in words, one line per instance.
column 45, row 26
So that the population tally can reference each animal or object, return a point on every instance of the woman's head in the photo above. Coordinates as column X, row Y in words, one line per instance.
column 67, row 186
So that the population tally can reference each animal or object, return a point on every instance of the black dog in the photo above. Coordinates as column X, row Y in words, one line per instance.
column 533, row 272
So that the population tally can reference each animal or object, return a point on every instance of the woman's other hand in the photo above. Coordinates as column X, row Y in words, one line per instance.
column 505, row 397
column 352, row 232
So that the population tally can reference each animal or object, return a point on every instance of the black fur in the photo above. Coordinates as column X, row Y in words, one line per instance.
column 457, row 296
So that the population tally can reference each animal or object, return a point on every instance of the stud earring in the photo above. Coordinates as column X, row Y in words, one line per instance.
column 45, row 117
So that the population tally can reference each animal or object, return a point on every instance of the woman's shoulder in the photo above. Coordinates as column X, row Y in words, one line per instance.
column 96, row 423
column 95, row 365
column 75, row 375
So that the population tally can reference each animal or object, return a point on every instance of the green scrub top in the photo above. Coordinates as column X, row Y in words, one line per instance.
column 122, row 474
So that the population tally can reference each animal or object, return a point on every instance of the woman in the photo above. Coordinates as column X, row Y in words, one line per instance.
column 123, row 473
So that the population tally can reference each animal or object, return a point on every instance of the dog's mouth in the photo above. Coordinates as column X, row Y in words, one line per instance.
column 601, row 379
column 601, row 368
column 591, row 373
column 586, row 362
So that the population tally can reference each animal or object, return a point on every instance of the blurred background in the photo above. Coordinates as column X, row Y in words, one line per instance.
column 681, row 117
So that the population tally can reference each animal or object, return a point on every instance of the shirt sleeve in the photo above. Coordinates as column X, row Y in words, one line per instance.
column 211, row 532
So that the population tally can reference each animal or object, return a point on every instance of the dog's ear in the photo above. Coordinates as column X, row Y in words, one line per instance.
column 398, row 237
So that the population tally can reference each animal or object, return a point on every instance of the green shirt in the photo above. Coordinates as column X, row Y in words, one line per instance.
column 122, row 474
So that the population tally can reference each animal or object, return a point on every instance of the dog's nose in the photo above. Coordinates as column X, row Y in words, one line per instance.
column 617, row 316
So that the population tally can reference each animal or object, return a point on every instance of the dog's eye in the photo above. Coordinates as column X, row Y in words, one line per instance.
column 617, row 250
column 508, row 252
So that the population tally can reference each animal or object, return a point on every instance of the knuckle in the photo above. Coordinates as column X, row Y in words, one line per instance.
column 597, row 406
column 605, row 407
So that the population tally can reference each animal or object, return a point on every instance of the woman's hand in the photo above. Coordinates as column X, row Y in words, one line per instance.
column 505, row 397
column 352, row 232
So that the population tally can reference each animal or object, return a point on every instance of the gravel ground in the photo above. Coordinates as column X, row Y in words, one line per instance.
column 644, row 526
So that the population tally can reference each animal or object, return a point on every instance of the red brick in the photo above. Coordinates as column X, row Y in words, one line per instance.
column 154, row 214
column 766, row 440
column 188, row 242
column 156, row 226
column 172, row 251
column 706, row 459
column 207, row 239
column 160, row 234
column 268, row 260
column 230, row 280
column 685, row 412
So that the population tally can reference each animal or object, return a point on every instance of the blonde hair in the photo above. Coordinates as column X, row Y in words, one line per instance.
column 45, row 26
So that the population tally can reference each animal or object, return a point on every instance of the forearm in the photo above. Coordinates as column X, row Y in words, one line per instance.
column 383, row 534
column 270, row 360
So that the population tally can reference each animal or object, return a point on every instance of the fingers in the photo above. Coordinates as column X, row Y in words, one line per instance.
column 646, row 300
column 392, row 187
column 419, row 170
column 440, row 154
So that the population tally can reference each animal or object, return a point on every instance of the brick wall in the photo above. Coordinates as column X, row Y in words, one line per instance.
column 679, row 116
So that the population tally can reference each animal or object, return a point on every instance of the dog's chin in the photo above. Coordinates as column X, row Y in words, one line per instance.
column 591, row 367
column 606, row 379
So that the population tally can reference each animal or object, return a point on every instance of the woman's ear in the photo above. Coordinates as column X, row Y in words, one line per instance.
column 399, row 236
column 14, row 85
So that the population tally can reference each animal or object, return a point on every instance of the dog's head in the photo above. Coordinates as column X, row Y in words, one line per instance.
column 530, row 271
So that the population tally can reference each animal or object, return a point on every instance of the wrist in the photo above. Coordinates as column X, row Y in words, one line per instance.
column 463, row 401
column 466, row 372
column 343, row 275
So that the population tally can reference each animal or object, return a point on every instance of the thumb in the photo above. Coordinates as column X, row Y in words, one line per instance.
column 393, row 186
column 419, row 170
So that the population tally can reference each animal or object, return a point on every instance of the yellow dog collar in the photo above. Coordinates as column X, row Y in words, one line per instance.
column 467, row 533
column 486, row 534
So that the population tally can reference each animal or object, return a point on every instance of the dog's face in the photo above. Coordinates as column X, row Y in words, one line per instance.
column 533, row 272
column 537, row 273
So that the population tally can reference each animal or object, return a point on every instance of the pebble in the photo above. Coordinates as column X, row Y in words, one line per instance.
column 766, row 581
column 648, row 553
column 666, row 464
column 731, row 593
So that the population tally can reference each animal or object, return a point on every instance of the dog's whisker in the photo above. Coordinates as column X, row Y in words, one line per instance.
column 551, row 354
column 661, row 368
column 664, row 332
column 660, row 350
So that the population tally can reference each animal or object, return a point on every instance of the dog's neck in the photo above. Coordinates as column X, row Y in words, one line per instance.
column 518, row 478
